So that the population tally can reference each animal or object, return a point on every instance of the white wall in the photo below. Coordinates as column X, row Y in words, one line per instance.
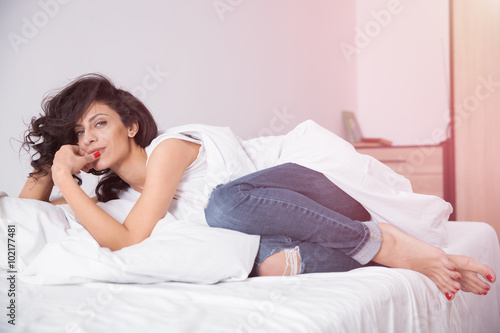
column 403, row 70
column 260, row 67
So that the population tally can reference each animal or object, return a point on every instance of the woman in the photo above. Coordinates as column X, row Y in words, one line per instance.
column 92, row 126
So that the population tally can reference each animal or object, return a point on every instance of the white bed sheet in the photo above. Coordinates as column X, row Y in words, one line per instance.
column 370, row 299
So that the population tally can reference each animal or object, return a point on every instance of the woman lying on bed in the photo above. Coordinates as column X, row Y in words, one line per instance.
column 92, row 126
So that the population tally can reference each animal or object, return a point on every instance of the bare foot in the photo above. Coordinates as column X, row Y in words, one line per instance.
column 400, row 250
column 469, row 269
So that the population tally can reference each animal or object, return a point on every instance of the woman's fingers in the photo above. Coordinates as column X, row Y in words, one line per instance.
column 86, row 168
column 90, row 159
column 72, row 159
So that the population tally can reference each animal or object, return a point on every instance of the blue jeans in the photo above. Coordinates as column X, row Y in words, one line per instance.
column 292, row 206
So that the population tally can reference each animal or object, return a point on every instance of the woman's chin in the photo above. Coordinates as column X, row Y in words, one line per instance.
column 99, row 167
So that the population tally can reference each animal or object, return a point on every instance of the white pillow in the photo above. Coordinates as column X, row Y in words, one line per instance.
column 36, row 223
column 54, row 249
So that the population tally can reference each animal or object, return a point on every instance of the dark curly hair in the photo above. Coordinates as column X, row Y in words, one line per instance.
column 55, row 128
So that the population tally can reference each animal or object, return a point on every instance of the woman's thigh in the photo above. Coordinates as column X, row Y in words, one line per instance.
column 276, row 201
column 296, row 178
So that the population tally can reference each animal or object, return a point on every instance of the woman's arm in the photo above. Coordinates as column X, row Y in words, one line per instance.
column 38, row 188
column 165, row 168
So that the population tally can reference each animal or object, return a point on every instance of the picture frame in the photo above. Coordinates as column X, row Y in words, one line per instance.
column 353, row 129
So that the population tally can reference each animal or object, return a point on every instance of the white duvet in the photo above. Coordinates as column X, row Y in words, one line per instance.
column 53, row 248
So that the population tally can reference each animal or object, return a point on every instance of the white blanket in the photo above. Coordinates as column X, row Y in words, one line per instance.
column 384, row 193
column 54, row 249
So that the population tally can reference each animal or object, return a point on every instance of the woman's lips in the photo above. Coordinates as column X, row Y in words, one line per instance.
column 101, row 150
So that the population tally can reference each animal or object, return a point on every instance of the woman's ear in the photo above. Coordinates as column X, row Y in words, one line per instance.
column 133, row 129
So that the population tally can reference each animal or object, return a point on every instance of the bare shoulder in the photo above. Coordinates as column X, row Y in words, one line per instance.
column 166, row 165
column 174, row 142
column 183, row 152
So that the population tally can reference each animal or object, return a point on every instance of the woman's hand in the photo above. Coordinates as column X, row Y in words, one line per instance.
column 70, row 160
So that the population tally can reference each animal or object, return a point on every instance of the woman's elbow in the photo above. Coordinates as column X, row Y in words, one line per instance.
column 127, row 242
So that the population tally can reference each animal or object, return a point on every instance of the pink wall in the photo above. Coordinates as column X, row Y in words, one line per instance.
column 266, row 59
column 403, row 66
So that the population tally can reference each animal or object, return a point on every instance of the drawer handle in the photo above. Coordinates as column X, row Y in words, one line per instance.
column 395, row 161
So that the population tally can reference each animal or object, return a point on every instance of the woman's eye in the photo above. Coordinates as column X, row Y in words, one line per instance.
column 101, row 123
column 79, row 133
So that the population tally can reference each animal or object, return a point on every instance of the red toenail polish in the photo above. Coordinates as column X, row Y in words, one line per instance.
column 484, row 292
column 448, row 296
column 489, row 278
column 487, row 288
column 455, row 269
column 457, row 289
column 459, row 278
column 454, row 292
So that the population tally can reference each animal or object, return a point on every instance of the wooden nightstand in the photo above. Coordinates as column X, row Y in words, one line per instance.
column 422, row 165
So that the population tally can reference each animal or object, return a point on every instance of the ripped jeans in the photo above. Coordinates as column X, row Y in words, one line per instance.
column 297, row 209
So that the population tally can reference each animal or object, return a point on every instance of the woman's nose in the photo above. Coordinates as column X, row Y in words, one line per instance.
column 88, row 138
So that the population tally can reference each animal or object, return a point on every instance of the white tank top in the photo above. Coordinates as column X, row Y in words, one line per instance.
column 192, row 183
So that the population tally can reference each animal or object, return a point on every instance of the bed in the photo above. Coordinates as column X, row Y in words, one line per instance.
column 370, row 299
column 188, row 277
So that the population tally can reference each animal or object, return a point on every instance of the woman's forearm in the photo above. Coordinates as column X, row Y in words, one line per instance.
column 107, row 231
column 38, row 188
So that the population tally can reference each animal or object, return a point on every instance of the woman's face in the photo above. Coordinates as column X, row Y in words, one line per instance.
column 101, row 129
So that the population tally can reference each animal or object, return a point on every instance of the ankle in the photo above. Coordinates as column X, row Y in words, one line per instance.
column 388, row 246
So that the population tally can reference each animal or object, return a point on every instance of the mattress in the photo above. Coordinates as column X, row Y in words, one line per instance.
column 369, row 299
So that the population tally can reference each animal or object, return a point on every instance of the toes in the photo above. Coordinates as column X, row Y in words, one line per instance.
column 456, row 276
column 471, row 283
column 450, row 265
column 446, row 284
column 487, row 274
column 476, row 282
column 452, row 282
column 466, row 263
column 465, row 288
